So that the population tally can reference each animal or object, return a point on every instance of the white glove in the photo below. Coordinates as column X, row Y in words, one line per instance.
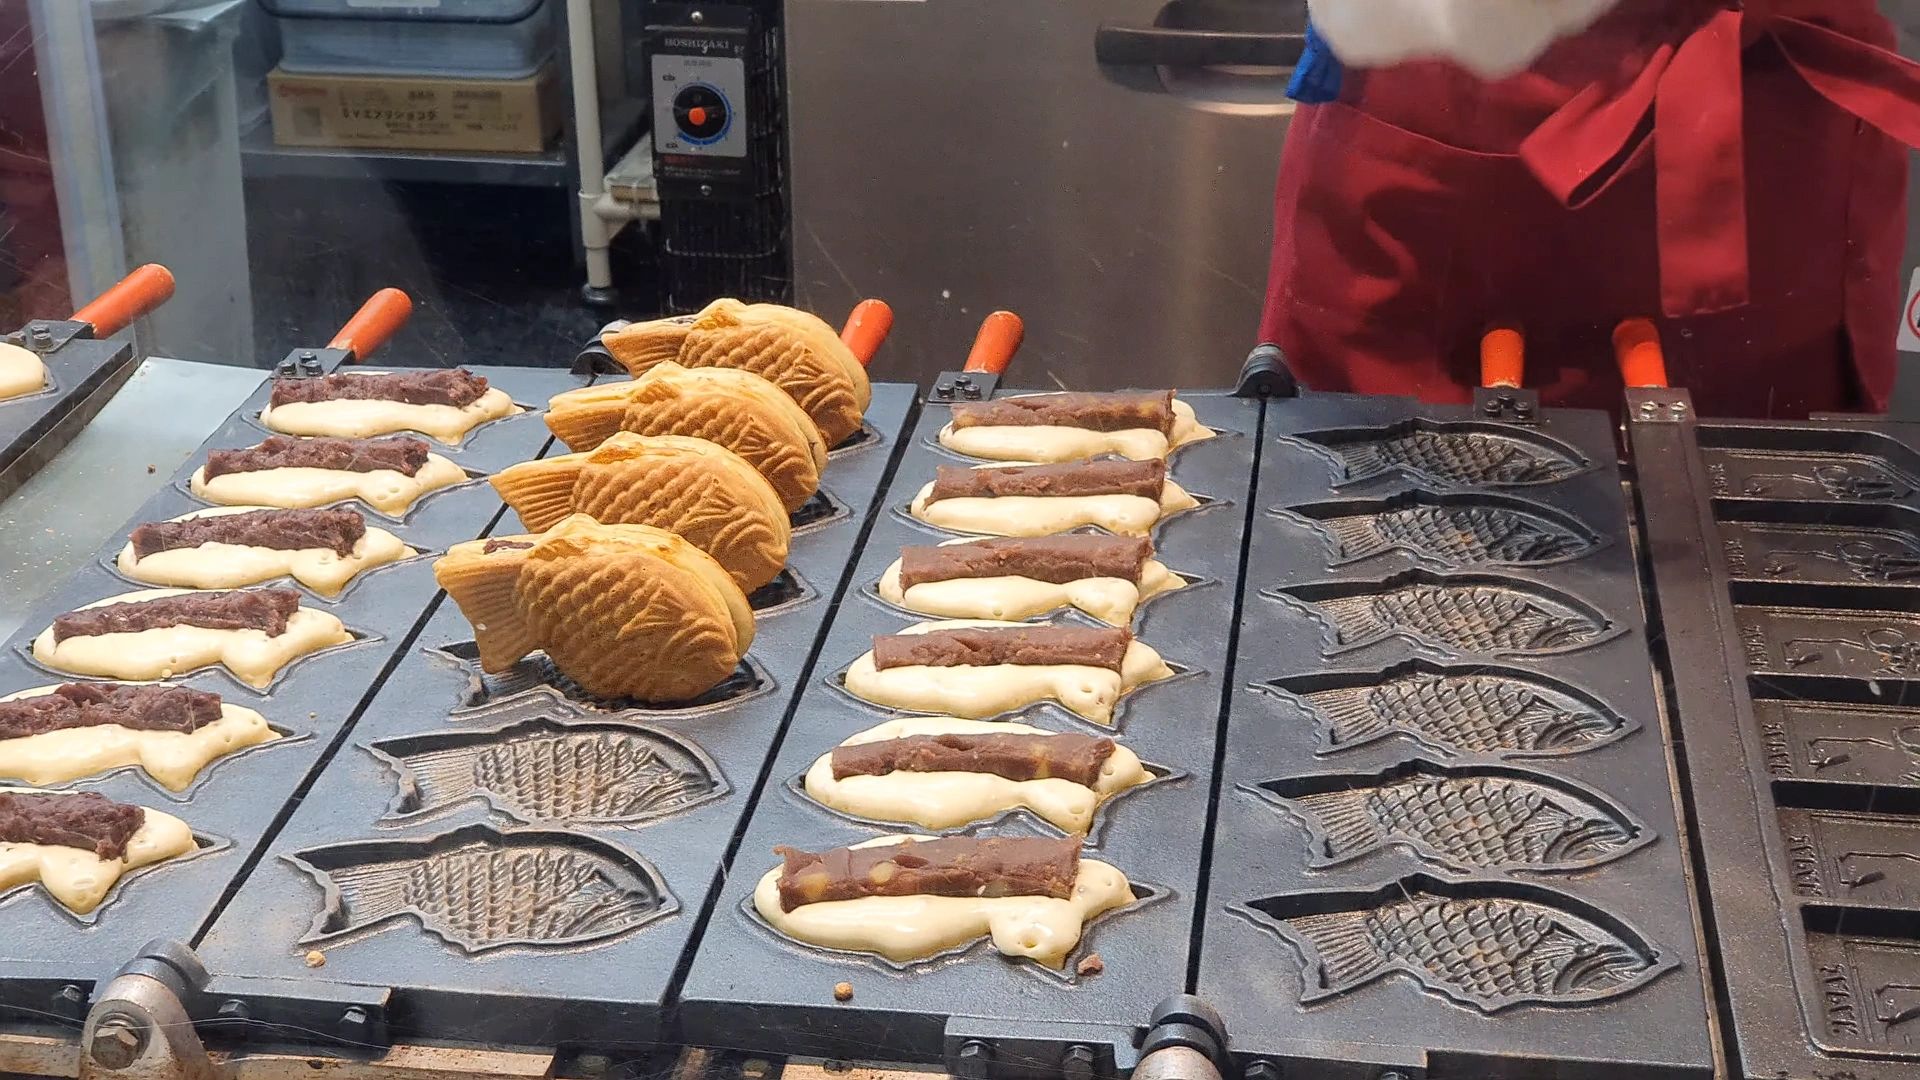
column 1491, row 38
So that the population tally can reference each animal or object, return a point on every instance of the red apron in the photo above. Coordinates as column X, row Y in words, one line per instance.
column 1736, row 169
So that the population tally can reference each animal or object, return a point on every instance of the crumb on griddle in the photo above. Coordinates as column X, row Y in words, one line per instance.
column 151, row 470
column 1091, row 965
column 316, row 958
column 843, row 991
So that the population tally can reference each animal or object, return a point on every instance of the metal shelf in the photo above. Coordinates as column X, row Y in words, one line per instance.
column 550, row 169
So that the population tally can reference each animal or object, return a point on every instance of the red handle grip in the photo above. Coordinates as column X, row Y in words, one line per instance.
column 377, row 320
column 867, row 329
column 1636, row 345
column 146, row 288
column 993, row 347
column 1503, row 358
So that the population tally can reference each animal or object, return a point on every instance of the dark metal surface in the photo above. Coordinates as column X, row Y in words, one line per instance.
column 240, row 799
column 81, row 376
column 1446, row 838
column 378, row 802
column 1782, row 559
column 751, row 988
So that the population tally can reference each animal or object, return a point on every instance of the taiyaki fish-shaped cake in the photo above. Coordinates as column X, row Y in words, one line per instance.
column 978, row 668
column 1107, row 577
column 1120, row 496
column 792, row 349
column 907, row 898
column 1144, row 426
column 388, row 474
column 52, row 734
column 941, row 772
column 444, row 403
column 625, row 611
column 22, row 372
column 160, row 633
column 79, row 846
column 735, row 409
column 227, row 547
column 702, row 491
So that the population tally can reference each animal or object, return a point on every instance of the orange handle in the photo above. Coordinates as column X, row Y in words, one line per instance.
column 993, row 347
column 867, row 328
column 1503, row 358
column 377, row 320
column 1636, row 345
column 143, row 290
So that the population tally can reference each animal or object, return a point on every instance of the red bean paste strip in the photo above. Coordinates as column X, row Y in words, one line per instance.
column 81, row 705
column 249, row 609
column 957, row 866
column 1103, row 477
column 444, row 386
column 399, row 453
column 281, row 530
column 1074, row 758
column 1093, row 412
column 88, row 821
column 980, row 646
column 1056, row 559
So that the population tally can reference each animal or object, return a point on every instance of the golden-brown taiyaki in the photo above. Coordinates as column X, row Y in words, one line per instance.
column 626, row 611
column 706, row 493
column 793, row 349
column 736, row 409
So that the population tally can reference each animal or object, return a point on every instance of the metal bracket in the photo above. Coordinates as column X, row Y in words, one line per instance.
column 954, row 386
column 139, row 1028
column 47, row 335
column 1506, row 406
column 1266, row 374
column 594, row 358
column 1658, row 405
column 309, row 363
column 1185, row 1039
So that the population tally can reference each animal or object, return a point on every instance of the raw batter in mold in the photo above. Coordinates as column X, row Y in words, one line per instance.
column 218, row 564
column 1043, row 928
column 252, row 653
column 1072, row 426
column 22, row 372
column 389, row 475
column 445, row 404
column 120, row 838
column 948, row 799
column 980, row 690
column 1108, row 577
column 172, row 732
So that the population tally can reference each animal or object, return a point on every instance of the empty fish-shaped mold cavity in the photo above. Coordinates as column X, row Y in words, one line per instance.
column 1453, row 710
column 1484, row 944
column 1469, row 614
column 1458, row 453
column 544, row 772
column 1837, row 543
column 536, row 675
column 1817, row 464
column 478, row 889
column 1453, row 530
column 1464, row 818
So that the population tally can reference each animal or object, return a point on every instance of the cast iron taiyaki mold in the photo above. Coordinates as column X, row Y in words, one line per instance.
column 1459, row 614
column 1784, row 557
column 1488, row 946
column 536, row 674
column 1468, row 709
column 481, row 889
column 543, row 772
column 1456, row 453
column 1462, row 818
column 1452, row 530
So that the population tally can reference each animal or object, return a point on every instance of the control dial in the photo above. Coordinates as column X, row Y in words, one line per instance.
column 701, row 113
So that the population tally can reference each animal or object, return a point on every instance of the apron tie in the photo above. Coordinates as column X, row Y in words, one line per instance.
column 1687, row 101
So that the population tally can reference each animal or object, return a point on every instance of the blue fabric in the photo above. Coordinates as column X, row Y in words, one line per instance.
column 1317, row 78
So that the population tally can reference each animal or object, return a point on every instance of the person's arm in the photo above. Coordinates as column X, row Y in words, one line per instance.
column 1492, row 38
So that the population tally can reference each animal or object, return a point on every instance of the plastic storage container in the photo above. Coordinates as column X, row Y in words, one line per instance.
column 467, row 39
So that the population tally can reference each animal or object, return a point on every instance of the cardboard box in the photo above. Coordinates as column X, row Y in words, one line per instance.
column 406, row 113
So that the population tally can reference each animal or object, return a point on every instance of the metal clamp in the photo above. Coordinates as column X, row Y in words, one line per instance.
column 1658, row 405
column 1506, row 405
column 1266, row 374
column 954, row 386
column 139, row 1027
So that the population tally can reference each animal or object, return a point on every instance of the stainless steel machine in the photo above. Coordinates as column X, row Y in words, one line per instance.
column 1109, row 162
